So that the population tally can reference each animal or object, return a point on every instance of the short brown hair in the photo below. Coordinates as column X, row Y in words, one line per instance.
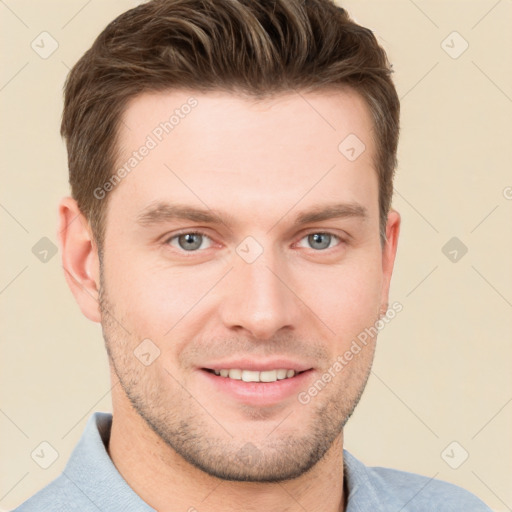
column 254, row 47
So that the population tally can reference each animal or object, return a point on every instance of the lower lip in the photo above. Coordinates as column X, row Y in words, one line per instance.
column 259, row 393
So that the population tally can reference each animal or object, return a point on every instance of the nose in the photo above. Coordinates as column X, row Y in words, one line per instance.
column 259, row 298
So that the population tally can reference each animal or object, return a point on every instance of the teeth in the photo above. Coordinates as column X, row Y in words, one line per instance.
column 248, row 376
column 235, row 374
column 268, row 376
column 255, row 376
column 281, row 374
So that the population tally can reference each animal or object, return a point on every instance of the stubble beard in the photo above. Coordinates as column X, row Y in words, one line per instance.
column 186, row 427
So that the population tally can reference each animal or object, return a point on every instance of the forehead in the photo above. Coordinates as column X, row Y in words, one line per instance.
column 330, row 114
column 238, row 153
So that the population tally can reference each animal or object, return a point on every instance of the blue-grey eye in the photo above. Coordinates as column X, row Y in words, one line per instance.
column 320, row 241
column 190, row 241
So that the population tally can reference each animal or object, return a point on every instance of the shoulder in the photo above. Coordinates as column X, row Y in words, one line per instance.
column 418, row 492
column 409, row 492
column 89, row 482
column 60, row 495
column 87, row 468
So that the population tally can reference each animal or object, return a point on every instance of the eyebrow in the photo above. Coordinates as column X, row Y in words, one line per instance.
column 165, row 212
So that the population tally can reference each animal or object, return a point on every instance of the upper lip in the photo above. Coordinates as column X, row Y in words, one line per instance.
column 255, row 365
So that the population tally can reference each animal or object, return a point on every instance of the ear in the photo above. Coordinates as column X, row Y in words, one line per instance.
column 79, row 258
column 388, row 255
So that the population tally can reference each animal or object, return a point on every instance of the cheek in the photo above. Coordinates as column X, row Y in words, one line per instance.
column 346, row 298
column 153, row 297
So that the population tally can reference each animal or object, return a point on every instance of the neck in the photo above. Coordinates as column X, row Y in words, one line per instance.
column 166, row 482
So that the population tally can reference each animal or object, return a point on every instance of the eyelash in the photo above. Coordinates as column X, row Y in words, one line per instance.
column 202, row 233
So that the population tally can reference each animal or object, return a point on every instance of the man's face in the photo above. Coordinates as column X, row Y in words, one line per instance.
column 253, row 288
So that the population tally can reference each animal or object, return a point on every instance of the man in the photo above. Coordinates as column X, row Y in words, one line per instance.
column 231, row 167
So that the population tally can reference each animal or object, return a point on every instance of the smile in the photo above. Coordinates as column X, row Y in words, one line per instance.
column 255, row 376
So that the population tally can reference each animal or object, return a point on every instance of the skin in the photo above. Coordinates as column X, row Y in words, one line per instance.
column 178, row 441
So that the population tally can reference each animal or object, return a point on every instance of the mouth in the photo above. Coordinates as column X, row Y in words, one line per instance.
column 257, row 382
column 257, row 388
column 266, row 376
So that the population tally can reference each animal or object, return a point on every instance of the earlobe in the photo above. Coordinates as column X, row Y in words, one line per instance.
column 79, row 258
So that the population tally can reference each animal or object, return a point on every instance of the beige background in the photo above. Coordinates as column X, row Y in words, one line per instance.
column 443, row 365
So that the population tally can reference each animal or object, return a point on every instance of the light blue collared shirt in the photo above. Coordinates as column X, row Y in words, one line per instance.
column 91, row 483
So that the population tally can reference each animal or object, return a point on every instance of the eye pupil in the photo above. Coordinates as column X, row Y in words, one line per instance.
column 319, row 240
column 190, row 241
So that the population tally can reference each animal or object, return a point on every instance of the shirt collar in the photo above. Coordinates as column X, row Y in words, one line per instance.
column 362, row 495
column 93, row 473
